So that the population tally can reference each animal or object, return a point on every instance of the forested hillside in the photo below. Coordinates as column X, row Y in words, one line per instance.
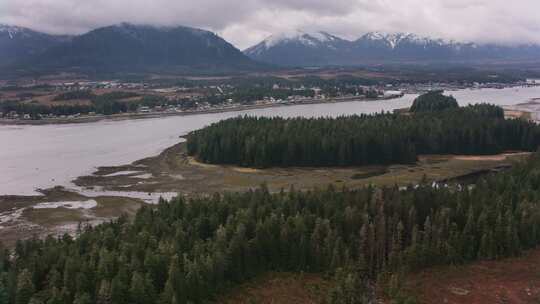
column 188, row 251
column 361, row 140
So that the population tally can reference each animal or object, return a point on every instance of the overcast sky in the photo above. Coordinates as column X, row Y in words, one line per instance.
column 246, row 22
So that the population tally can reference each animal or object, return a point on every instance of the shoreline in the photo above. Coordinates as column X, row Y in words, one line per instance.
column 134, row 116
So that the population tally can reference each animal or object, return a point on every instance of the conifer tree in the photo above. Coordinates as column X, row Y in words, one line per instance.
column 25, row 287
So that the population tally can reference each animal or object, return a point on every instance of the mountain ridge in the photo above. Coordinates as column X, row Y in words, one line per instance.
column 381, row 47
column 127, row 47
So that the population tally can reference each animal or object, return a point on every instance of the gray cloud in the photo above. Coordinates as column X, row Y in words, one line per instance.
column 245, row 22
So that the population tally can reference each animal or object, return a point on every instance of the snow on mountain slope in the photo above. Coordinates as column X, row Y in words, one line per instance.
column 299, row 38
column 394, row 40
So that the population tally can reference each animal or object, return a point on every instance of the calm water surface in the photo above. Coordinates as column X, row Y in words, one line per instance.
column 44, row 156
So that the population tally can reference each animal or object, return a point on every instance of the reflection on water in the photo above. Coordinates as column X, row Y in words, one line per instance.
column 44, row 156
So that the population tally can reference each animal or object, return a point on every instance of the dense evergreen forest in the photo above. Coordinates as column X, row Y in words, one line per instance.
column 361, row 140
column 189, row 251
column 433, row 101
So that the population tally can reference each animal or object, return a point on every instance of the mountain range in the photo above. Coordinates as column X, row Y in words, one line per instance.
column 143, row 48
column 322, row 49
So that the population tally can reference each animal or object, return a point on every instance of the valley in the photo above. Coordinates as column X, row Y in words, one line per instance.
column 69, row 151
column 119, row 186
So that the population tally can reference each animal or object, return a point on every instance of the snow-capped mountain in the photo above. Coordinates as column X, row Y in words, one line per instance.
column 310, row 40
column 17, row 43
column 395, row 40
column 407, row 46
column 379, row 47
column 297, row 48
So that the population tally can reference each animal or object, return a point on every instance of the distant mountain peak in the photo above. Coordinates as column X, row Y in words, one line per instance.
column 315, row 39
column 395, row 39
column 306, row 38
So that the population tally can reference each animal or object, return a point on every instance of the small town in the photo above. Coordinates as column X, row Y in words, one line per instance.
column 74, row 101
column 147, row 99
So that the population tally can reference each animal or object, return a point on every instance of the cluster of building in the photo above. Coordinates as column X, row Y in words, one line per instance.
column 25, row 116
column 94, row 85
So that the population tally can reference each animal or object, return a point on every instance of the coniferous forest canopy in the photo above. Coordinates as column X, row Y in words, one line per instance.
column 189, row 251
column 434, row 101
column 363, row 140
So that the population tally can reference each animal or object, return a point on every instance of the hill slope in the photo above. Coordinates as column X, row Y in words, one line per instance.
column 19, row 43
column 127, row 47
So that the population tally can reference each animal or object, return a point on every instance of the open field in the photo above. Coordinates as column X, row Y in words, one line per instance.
column 514, row 280
column 279, row 288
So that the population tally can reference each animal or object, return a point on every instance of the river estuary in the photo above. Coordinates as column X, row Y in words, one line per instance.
column 44, row 156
